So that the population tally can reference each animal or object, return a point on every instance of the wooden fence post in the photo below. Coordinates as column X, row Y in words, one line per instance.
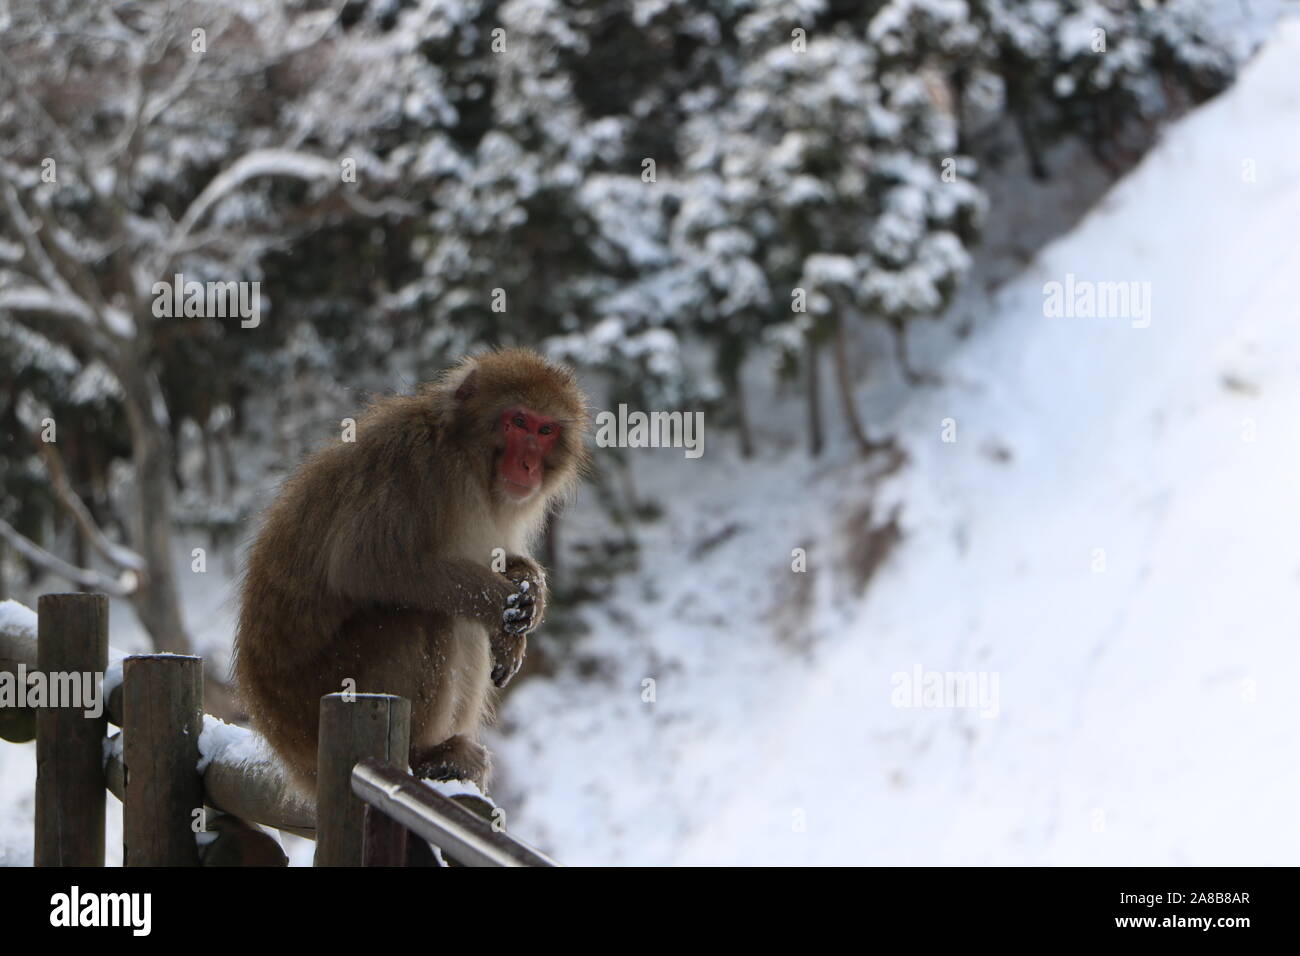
column 353, row 727
column 162, row 703
column 384, row 840
column 72, row 640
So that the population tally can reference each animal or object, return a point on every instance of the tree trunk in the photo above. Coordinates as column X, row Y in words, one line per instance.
column 79, row 556
column 155, row 601
column 1037, row 168
column 742, row 421
column 815, row 438
column 844, row 383
column 209, row 461
column 733, row 374
column 959, row 83
column 229, row 475
column 631, row 502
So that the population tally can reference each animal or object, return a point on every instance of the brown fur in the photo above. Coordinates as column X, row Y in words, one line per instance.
column 373, row 564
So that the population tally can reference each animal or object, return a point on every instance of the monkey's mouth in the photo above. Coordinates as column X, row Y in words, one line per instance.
column 516, row 491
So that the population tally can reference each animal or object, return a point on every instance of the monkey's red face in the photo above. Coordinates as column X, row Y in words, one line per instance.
column 526, row 440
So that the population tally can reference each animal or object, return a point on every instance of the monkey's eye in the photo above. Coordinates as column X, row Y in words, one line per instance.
column 545, row 430
column 519, row 421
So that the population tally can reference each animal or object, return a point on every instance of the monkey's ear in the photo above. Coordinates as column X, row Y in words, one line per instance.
column 468, row 386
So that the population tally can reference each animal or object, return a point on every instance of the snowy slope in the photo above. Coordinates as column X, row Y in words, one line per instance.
column 1115, row 536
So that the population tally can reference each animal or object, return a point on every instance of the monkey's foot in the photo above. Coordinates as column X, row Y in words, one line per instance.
column 456, row 758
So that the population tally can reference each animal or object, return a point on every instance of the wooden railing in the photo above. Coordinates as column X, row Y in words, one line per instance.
column 194, row 790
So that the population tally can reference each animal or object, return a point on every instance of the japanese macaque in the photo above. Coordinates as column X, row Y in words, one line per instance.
column 399, row 563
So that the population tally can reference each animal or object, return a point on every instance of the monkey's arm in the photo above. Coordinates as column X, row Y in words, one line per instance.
column 379, row 552
column 507, row 609
column 376, row 553
column 456, row 586
column 467, row 589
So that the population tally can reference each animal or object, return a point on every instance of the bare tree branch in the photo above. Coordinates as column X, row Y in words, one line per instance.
column 68, row 314
column 43, row 266
column 61, row 274
column 118, row 555
column 18, row 84
column 147, row 107
column 83, row 577
column 35, row 298
column 258, row 163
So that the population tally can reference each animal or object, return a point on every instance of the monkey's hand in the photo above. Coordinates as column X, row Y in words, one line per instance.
column 528, row 576
column 522, row 612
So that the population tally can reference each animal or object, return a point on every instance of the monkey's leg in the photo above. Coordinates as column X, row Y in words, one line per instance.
column 456, row 758
column 392, row 651
column 447, row 718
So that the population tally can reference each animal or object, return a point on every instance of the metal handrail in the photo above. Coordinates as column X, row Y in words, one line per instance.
column 456, row 830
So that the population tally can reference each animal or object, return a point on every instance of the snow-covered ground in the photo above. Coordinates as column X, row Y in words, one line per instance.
column 1111, row 544
column 1114, row 537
